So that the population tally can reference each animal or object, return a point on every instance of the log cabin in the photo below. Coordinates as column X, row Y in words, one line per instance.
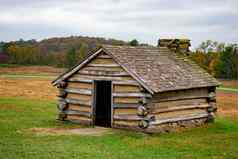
column 148, row 89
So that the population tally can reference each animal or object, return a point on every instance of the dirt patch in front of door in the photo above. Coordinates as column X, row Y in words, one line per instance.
column 96, row 131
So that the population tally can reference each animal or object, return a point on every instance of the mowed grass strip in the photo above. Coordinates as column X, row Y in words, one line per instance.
column 228, row 89
column 19, row 115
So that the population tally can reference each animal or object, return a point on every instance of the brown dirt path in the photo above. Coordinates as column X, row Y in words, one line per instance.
column 96, row 131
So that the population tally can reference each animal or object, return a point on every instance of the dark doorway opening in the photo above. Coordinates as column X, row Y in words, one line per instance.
column 103, row 93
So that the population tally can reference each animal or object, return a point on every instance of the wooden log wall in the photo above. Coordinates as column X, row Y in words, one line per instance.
column 178, row 106
column 78, row 101
column 127, row 94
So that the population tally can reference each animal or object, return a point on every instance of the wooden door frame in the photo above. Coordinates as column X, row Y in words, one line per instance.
column 94, row 94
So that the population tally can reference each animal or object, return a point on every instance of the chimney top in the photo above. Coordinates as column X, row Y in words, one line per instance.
column 177, row 45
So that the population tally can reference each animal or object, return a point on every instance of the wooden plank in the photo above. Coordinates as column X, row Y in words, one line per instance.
column 103, row 61
column 78, row 91
column 77, row 117
column 104, row 56
column 128, row 82
column 88, row 77
column 170, row 120
column 103, row 73
column 127, row 117
column 73, row 79
column 126, row 89
column 125, row 111
column 181, row 113
column 131, row 95
column 80, row 85
column 131, row 100
column 79, row 97
column 125, row 123
column 103, row 65
column 179, row 108
column 183, row 102
column 79, row 113
column 113, row 69
column 126, row 105
column 182, row 94
column 79, row 108
column 75, row 101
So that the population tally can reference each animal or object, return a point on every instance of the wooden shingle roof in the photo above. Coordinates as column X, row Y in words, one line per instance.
column 161, row 69
column 158, row 68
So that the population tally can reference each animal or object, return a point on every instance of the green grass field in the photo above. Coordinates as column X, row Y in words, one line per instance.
column 19, row 115
column 228, row 89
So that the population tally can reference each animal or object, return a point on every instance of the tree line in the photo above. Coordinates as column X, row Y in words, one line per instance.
column 219, row 59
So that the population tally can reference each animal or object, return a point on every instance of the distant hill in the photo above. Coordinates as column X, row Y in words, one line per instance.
column 57, row 51
column 63, row 44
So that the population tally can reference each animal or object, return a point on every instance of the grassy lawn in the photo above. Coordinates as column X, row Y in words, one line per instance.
column 228, row 89
column 19, row 115
column 28, row 75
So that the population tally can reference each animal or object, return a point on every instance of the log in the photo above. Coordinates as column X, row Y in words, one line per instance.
column 80, row 97
column 211, row 118
column 142, row 111
column 126, row 89
column 103, row 65
column 104, row 61
column 103, row 73
column 75, row 101
column 213, row 105
column 179, row 108
column 79, row 91
column 79, row 108
column 126, row 105
column 62, row 105
column 131, row 95
column 104, row 57
column 91, row 77
column 76, row 112
column 181, row 95
column 125, row 111
column 62, row 116
column 62, row 84
column 171, row 120
column 127, row 117
column 62, row 93
column 111, row 69
column 125, row 100
column 184, row 97
column 212, row 96
column 144, row 124
column 80, row 85
column 83, row 80
column 144, row 101
column 178, row 103
column 128, row 82
column 210, row 109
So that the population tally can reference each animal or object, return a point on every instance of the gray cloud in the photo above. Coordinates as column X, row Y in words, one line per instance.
column 141, row 19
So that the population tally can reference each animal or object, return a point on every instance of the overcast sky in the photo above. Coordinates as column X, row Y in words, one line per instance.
column 146, row 20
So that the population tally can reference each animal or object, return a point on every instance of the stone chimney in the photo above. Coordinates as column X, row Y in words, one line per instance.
column 177, row 45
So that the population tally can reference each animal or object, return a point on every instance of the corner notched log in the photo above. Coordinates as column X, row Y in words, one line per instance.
column 212, row 96
column 62, row 116
column 62, row 84
column 142, row 111
column 62, row 93
column 62, row 105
